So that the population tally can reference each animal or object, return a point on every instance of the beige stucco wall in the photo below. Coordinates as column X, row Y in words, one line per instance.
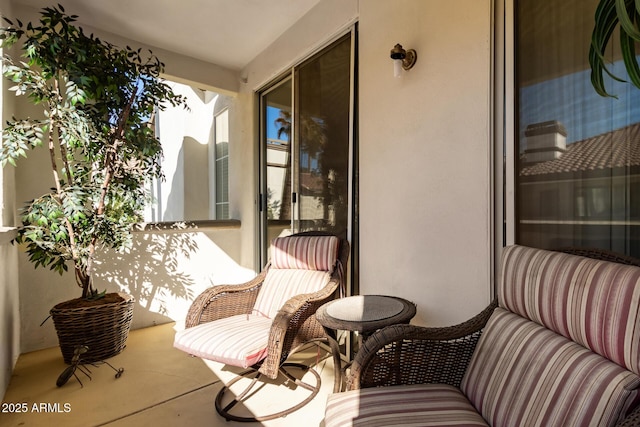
column 165, row 270
column 9, row 310
column 314, row 30
column 425, row 148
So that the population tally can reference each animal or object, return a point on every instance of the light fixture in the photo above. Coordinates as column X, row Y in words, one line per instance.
column 402, row 59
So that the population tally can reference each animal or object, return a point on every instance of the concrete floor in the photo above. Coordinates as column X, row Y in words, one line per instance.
column 160, row 386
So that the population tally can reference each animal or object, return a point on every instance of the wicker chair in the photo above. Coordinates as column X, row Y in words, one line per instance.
column 444, row 354
column 274, row 314
column 408, row 355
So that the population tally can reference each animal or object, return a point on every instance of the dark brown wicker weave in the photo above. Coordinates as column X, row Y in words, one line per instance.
column 632, row 420
column 295, row 323
column 408, row 354
column 103, row 328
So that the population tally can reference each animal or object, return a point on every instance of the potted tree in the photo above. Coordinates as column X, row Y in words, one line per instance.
column 97, row 103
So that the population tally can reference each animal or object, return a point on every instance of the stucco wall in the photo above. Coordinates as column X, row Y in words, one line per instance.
column 314, row 30
column 9, row 314
column 425, row 147
column 164, row 271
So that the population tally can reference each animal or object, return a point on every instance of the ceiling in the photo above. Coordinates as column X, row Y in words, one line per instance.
column 228, row 33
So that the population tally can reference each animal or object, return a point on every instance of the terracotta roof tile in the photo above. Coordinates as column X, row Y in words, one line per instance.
column 619, row 148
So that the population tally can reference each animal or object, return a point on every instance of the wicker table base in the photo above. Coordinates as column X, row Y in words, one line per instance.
column 364, row 314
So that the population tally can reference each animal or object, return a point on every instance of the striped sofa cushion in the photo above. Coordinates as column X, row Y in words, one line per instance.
column 425, row 405
column 594, row 303
column 304, row 252
column 280, row 285
column 237, row 340
column 523, row 374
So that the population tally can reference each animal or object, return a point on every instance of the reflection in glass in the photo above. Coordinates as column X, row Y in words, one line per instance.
column 578, row 154
column 278, row 153
column 322, row 117
column 306, row 137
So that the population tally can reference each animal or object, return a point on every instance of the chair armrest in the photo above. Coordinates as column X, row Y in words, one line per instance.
column 295, row 324
column 221, row 301
column 409, row 354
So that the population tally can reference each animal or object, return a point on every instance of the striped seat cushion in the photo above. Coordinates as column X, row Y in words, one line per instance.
column 523, row 374
column 237, row 340
column 304, row 252
column 594, row 303
column 280, row 285
column 425, row 405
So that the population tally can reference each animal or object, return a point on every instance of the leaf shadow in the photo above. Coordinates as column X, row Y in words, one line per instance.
column 151, row 270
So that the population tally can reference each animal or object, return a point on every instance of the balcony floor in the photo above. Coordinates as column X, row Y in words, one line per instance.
column 160, row 386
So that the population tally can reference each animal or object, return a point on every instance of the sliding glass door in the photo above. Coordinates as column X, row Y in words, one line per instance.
column 306, row 145
column 322, row 112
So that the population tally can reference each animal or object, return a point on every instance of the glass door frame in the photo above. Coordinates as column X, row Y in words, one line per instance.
column 262, row 224
column 290, row 75
column 504, row 125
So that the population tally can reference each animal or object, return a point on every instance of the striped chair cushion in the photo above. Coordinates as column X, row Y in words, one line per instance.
column 280, row 285
column 305, row 252
column 523, row 374
column 237, row 340
column 425, row 405
column 594, row 303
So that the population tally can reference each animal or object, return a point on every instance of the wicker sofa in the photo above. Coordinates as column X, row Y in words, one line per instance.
column 560, row 347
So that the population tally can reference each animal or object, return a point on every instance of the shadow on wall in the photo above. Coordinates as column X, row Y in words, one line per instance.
column 152, row 272
column 196, row 180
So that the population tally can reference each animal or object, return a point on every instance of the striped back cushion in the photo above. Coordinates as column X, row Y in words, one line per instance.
column 594, row 303
column 523, row 374
column 304, row 252
column 281, row 284
column 299, row 265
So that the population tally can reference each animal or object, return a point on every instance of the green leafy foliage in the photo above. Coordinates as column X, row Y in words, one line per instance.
column 98, row 102
column 610, row 14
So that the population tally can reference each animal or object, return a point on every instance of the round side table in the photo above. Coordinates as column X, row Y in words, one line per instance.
column 364, row 314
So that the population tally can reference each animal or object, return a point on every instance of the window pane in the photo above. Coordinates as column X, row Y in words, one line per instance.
column 577, row 153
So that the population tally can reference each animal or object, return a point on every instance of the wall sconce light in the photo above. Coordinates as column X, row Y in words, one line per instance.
column 402, row 59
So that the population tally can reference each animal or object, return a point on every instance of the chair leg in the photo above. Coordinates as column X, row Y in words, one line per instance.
column 247, row 393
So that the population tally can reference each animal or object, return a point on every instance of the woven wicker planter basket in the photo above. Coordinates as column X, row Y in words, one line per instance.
column 102, row 328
